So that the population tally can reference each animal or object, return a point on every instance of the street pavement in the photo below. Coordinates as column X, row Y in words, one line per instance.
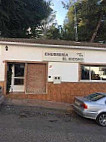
column 34, row 124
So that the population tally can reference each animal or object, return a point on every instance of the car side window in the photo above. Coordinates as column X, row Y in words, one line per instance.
column 102, row 101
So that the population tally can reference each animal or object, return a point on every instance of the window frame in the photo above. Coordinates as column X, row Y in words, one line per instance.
column 19, row 77
column 90, row 65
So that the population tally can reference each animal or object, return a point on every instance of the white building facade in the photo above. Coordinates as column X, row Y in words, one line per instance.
column 53, row 72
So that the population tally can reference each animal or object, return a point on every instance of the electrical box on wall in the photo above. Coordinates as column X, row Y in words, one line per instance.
column 57, row 79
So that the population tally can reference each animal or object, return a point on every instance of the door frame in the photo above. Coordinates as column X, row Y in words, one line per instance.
column 16, row 88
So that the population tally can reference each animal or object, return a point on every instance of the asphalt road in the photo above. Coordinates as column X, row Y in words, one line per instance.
column 32, row 124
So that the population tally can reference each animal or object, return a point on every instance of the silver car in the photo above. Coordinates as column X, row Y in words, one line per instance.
column 92, row 106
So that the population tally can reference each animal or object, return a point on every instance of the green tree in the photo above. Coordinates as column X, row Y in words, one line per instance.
column 45, row 25
column 16, row 16
column 91, row 20
column 54, row 32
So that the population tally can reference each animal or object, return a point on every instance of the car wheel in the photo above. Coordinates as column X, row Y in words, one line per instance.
column 101, row 119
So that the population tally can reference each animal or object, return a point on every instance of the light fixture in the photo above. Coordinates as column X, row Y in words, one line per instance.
column 6, row 48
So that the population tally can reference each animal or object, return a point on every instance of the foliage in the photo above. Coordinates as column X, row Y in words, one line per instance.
column 16, row 16
column 9, row 76
column 53, row 32
column 45, row 25
column 88, row 16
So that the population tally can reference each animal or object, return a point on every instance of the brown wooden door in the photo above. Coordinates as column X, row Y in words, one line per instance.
column 36, row 79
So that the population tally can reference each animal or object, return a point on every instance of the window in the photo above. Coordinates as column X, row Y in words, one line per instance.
column 95, row 97
column 18, row 81
column 93, row 72
column 19, row 70
column 19, row 74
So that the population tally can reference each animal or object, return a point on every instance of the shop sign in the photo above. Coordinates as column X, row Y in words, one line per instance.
column 63, row 56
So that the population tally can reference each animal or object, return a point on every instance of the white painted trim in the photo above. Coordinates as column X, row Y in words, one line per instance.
column 53, row 46
column 93, row 81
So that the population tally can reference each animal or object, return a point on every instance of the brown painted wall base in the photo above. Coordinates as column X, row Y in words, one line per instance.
column 2, row 85
column 64, row 92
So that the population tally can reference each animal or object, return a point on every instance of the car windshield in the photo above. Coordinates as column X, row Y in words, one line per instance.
column 95, row 97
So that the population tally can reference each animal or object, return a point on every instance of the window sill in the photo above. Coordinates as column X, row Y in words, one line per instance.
column 93, row 81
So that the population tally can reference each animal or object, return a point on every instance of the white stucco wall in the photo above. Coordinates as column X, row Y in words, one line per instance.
column 2, row 65
column 95, row 57
column 22, row 53
column 67, row 71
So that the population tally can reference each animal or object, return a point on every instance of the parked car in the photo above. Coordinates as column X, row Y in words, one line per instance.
column 92, row 106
